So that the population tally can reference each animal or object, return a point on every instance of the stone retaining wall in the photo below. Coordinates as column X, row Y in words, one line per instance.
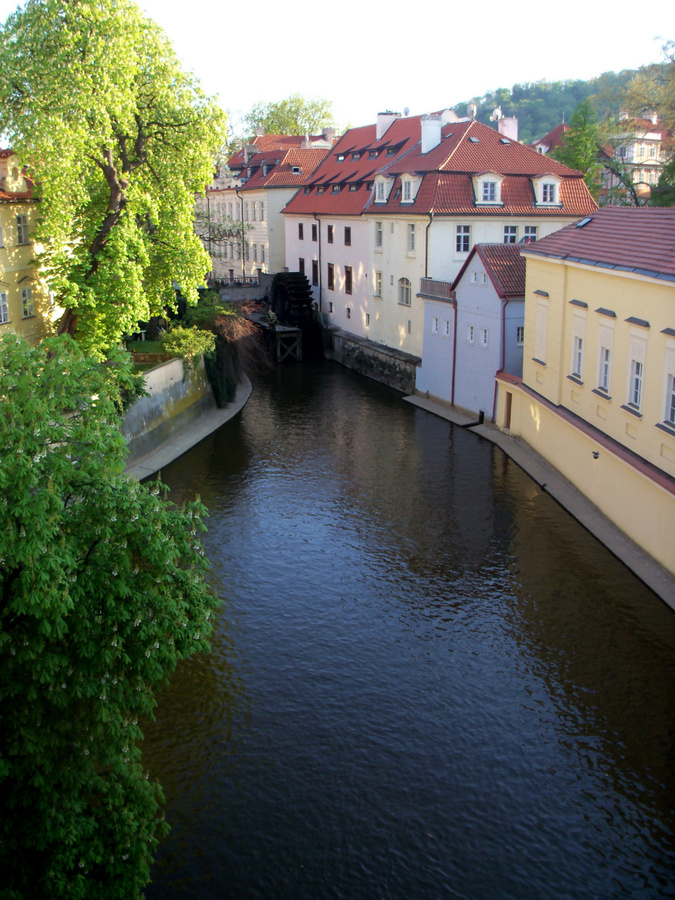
column 389, row 366
column 176, row 399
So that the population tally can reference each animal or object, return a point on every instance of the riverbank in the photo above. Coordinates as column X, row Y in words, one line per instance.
column 183, row 439
column 550, row 480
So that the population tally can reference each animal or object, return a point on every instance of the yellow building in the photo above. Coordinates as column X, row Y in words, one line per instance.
column 25, row 305
column 597, row 397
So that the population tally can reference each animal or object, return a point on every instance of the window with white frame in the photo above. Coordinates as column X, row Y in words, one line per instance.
column 434, row 325
column 262, row 211
column 404, row 292
column 520, row 335
column 637, row 353
column 262, row 253
column 470, row 332
column 446, row 327
column 4, row 309
column 22, row 230
column 510, row 234
column 378, row 235
column 489, row 194
column 463, row 238
column 407, row 191
column 380, row 192
column 330, row 231
column 255, row 253
column 541, row 332
column 348, row 279
column 548, row 192
column 473, row 277
column 484, row 337
column 301, row 231
column 670, row 400
column 578, row 337
column 669, row 411
column 530, row 233
column 411, row 238
column 255, row 210
column 378, row 284
column 246, row 212
column 605, row 343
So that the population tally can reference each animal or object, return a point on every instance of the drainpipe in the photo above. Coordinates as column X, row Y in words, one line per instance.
column 318, row 225
column 243, row 257
column 453, row 298
column 426, row 245
column 502, row 363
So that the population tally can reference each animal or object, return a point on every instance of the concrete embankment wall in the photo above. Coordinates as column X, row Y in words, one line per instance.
column 389, row 366
column 177, row 398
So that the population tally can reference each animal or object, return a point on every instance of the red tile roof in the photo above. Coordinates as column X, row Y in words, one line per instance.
column 505, row 266
column 466, row 149
column 280, row 168
column 637, row 239
column 554, row 138
column 266, row 143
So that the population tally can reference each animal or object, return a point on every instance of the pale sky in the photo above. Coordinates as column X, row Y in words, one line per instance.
column 368, row 57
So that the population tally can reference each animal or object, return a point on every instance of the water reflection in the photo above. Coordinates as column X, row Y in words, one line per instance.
column 427, row 680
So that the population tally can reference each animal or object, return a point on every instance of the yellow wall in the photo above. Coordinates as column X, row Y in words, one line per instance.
column 16, row 269
column 626, row 295
column 640, row 506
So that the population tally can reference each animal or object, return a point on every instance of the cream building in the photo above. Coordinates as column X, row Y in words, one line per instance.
column 25, row 304
column 597, row 397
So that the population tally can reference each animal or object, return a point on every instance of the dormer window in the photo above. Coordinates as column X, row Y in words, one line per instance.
column 296, row 170
column 353, row 186
column 392, row 151
column 340, row 157
column 547, row 190
column 407, row 191
column 487, row 188
column 382, row 188
column 372, row 154
column 356, row 155
column 336, row 188
column 321, row 188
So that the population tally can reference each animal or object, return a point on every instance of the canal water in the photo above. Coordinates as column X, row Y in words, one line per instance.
column 427, row 680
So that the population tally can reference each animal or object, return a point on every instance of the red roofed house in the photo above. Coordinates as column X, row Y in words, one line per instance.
column 392, row 213
column 551, row 140
column 25, row 303
column 475, row 331
column 597, row 397
column 242, row 213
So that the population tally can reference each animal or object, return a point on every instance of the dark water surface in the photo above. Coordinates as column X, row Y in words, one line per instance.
column 427, row 680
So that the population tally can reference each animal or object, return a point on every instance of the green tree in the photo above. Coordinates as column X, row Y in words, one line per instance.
column 102, row 591
column 580, row 147
column 119, row 139
column 294, row 115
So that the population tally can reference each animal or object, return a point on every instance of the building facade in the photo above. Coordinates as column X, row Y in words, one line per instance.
column 597, row 397
column 25, row 303
column 427, row 188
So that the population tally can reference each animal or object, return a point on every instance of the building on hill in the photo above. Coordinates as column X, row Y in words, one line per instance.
column 239, row 218
column 597, row 396
column 639, row 151
column 26, row 306
column 406, row 199
column 475, row 331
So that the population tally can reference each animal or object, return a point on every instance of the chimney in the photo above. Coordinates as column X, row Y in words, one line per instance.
column 384, row 120
column 508, row 127
column 431, row 132
column 249, row 151
column 329, row 134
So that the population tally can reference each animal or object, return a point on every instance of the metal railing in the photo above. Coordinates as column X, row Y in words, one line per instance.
column 431, row 288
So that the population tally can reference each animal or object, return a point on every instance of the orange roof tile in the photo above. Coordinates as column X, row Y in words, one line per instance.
column 467, row 148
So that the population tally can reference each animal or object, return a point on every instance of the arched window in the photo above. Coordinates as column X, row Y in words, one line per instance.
column 404, row 291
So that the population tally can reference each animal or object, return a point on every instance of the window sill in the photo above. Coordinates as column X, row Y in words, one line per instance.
column 575, row 379
column 667, row 427
column 539, row 362
column 633, row 410
column 601, row 393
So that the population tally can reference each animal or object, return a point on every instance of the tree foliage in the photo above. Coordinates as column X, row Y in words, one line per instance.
column 119, row 139
column 579, row 149
column 294, row 115
column 102, row 591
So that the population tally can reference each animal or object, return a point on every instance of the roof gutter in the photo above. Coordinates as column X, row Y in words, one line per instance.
column 426, row 245
column 318, row 220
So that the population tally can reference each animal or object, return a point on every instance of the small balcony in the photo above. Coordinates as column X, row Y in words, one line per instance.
column 436, row 290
